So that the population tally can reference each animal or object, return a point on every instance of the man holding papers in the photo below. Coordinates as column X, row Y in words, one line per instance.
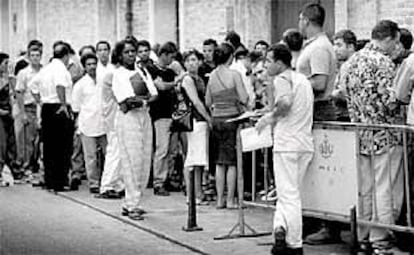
column 291, row 119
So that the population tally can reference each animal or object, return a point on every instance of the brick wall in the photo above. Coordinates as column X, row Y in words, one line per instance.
column 211, row 19
column 400, row 11
column 17, row 32
column 362, row 15
column 258, row 22
column 165, row 21
column 107, row 24
column 85, row 21
column 141, row 19
column 75, row 21
column 201, row 20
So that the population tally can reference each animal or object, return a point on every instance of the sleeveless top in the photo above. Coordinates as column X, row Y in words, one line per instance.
column 225, row 102
column 201, row 91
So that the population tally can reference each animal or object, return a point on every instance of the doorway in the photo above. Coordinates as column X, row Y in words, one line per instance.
column 285, row 14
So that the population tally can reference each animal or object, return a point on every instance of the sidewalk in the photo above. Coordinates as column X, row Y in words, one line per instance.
column 167, row 215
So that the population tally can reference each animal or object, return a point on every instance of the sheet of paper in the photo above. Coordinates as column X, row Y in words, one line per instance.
column 245, row 116
column 251, row 140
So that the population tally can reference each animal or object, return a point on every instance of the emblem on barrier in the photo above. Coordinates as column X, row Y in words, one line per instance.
column 326, row 148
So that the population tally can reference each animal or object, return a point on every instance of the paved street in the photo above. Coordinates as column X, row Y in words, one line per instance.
column 33, row 221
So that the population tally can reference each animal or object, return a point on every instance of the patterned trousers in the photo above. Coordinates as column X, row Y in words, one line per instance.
column 134, row 132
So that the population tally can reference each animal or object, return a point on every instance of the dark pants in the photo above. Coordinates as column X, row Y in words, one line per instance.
column 7, row 144
column 57, row 133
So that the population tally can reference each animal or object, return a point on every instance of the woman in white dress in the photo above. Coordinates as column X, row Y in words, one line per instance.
column 197, row 152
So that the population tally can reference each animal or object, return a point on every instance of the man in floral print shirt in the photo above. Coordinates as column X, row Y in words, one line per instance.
column 368, row 79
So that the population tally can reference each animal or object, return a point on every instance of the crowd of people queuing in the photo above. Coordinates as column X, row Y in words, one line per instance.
column 107, row 113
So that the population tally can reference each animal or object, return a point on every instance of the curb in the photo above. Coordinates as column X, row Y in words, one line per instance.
column 136, row 225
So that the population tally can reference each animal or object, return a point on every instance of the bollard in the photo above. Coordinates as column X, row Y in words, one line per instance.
column 192, row 213
column 354, row 231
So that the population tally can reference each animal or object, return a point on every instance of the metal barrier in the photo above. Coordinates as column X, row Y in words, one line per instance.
column 363, row 133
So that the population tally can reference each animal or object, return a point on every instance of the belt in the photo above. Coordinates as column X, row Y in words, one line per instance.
column 30, row 106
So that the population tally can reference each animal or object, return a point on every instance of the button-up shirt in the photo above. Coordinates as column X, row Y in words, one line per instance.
column 109, row 104
column 87, row 100
column 45, row 82
column 23, row 79
column 247, row 82
column 404, row 84
column 368, row 77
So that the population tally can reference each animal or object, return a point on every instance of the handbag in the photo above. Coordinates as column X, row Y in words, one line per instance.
column 182, row 116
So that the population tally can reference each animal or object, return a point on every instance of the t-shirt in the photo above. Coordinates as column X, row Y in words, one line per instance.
column 248, row 86
column 293, row 132
column 204, row 72
column 318, row 57
column 22, row 82
column 404, row 84
column 162, row 107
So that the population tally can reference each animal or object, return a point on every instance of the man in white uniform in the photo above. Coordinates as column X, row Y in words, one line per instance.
column 292, row 117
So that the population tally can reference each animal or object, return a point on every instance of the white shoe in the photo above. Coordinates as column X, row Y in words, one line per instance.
column 270, row 197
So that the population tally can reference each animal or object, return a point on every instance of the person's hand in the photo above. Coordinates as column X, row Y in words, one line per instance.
column 3, row 112
column 159, row 83
column 180, row 77
column 63, row 109
column 210, row 123
column 262, row 123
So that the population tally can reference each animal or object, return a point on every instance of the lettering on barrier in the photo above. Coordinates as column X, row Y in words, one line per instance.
column 330, row 183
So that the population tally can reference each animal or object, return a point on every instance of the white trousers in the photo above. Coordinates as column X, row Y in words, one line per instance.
column 111, row 177
column 289, row 169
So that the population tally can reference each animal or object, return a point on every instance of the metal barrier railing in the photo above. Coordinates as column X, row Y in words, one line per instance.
column 392, row 136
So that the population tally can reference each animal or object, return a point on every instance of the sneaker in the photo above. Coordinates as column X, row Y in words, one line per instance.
column 294, row 251
column 38, row 183
column 323, row 236
column 161, row 191
column 4, row 183
column 279, row 247
column 121, row 193
column 382, row 251
column 270, row 197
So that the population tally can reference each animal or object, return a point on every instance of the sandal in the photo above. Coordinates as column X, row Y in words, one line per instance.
column 125, row 211
column 109, row 194
column 135, row 215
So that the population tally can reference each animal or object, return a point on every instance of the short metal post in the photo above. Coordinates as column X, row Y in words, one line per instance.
column 192, row 213
column 253, row 176
column 354, row 231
